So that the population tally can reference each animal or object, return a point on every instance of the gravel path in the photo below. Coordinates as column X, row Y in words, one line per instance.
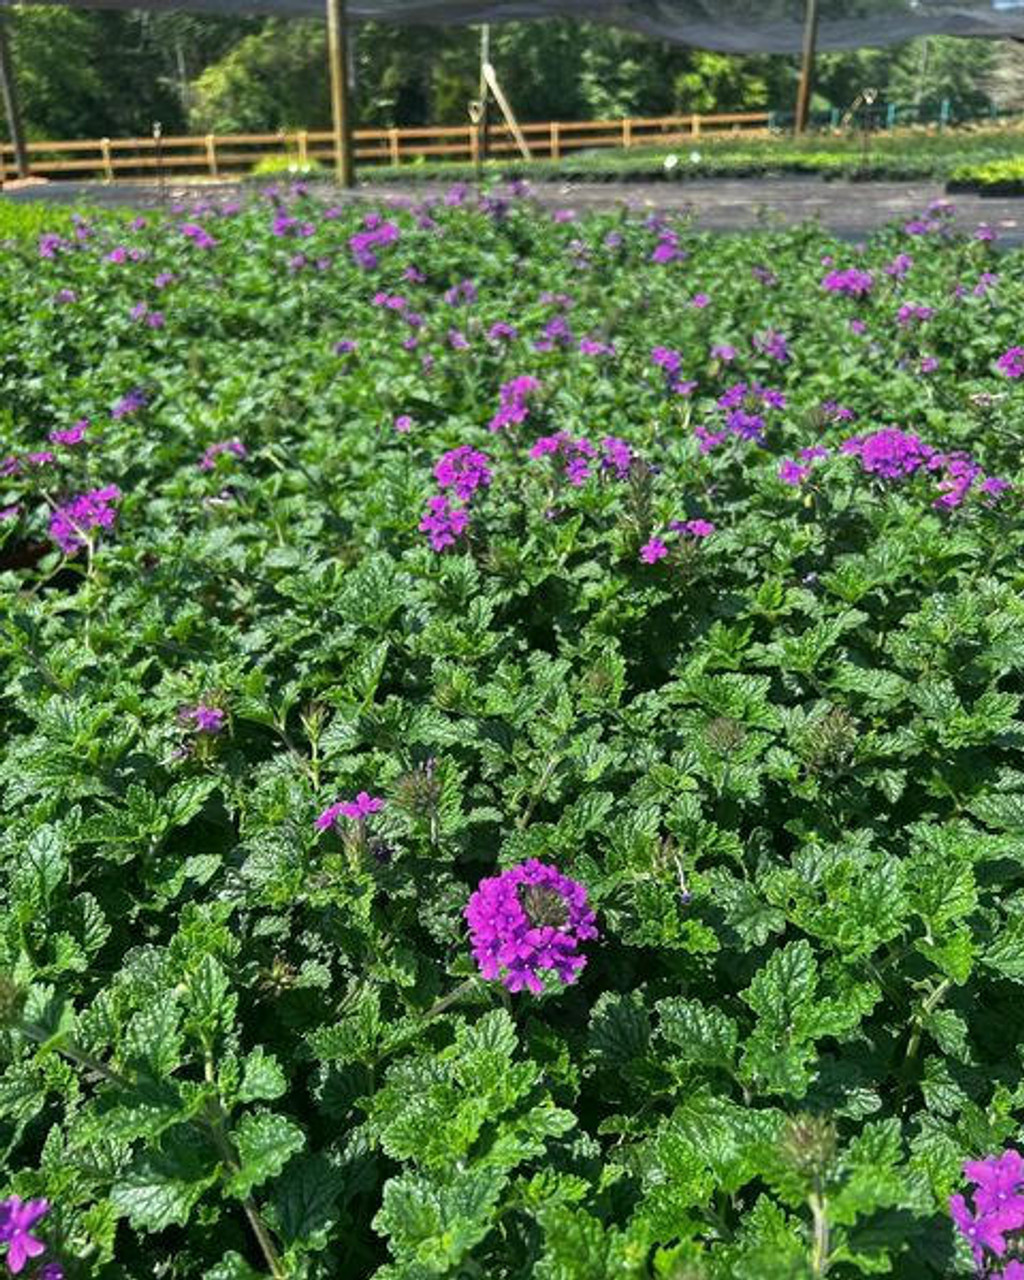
column 850, row 210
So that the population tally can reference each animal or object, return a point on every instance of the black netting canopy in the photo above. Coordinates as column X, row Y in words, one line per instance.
column 732, row 26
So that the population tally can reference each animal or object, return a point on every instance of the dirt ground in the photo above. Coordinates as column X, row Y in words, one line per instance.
column 850, row 210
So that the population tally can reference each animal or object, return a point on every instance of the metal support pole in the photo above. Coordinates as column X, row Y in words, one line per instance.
column 10, row 97
column 338, row 58
column 803, row 97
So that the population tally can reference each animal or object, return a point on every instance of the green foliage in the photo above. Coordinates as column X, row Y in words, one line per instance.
column 784, row 760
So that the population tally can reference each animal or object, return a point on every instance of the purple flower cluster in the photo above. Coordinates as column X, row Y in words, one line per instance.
column 71, row 524
column 997, row 1210
column 899, row 266
column 50, row 243
column 358, row 810
column 793, row 472
column 378, row 234
column 463, row 469
column 1011, row 363
column 443, row 522
column 141, row 311
column 464, row 293
column 198, row 234
column 912, row 313
column 672, row 362
column 577, row 455
column 17, row 1218
column 209, row 459
column 771, row 344
column 513, row 407
column 744, row 406
column 70, row 436
column 853, row 282
column 529, row 921
column 202, row 718
column 667, row 249
column 135, row 399
column 895, row 455
column 656, row 548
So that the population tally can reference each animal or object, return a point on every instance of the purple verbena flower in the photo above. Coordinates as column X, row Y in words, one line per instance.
column 1011, row 363
column 358, row 810
column 529, row 921
column 513, row 407
column 235, row 447
column 71, row 524
column 71, row 435
column 653, row 550
column 203, row 719
column 463, row 469
column 853, row 282
column 17, row 1218
column 135, row 399
column 443, row 523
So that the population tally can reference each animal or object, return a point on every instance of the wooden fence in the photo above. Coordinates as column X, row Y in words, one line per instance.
column 231, row 154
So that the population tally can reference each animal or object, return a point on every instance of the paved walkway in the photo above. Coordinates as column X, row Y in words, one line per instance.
column 849, row 209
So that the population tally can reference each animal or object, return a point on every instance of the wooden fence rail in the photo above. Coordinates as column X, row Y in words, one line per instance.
column 215, row 156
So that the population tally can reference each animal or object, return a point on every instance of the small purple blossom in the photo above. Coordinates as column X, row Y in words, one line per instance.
column 853, row 282
column 1011, row 363
column 135, row 399
column 71, row 524
column 529, row 921
column 513, row 407
column 443, row 523
column 653, row 550
column 17, row 1218
column 358, row 810
column 576, row 455
column 70, row 435
column 463, row 469
column 998, row 1204
column 235, row 447
column 203, row 719
column 502, row 332
column 403, row 424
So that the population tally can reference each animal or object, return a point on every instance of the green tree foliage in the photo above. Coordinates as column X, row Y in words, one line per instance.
column 92, row 74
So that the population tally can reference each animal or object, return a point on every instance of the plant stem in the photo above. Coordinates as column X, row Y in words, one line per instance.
column 215, row 1118
column 926, row 1008
column 819, row 1252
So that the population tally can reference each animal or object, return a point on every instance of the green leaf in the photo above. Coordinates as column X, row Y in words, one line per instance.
column 262, row 1078
column 164, row 1184
column 265, row 1142
column 305, row 1199
column 620, row 1028
column 699, row 1033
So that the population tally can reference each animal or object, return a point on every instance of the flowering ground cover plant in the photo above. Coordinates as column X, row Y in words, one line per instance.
column 511, row 747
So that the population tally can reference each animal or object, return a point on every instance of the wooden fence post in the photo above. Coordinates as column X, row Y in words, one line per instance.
column 474, row 143
column 108, row 168
column 695, row 125
column 556, row 141
column 302, row 138
column 394, row 143
column 627, row 132
column 211, row 154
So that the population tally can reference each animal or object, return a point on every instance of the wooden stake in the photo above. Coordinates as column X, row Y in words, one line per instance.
column 337, row 56
column 10, row 96
column 506, row 111
column 485, row 58
column 803, row 96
